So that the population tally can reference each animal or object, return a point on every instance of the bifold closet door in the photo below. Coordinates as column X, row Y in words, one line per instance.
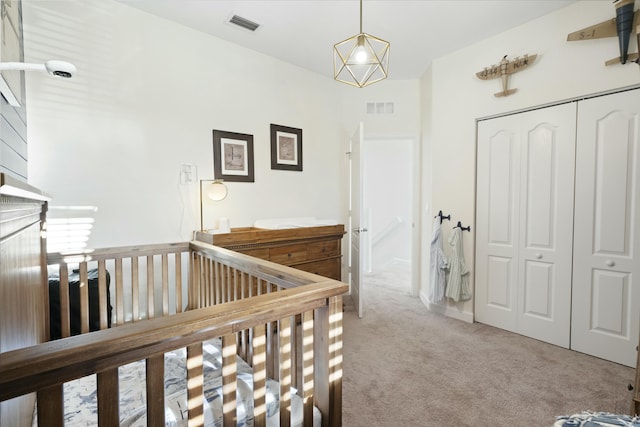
column 606, row 274
column 524, row 222
column 497, row 216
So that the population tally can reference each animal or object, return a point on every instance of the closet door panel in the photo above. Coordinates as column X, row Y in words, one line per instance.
column 499, row 283
column 538, row 298
column 546, row 220
column 606, row 293
column 610, row 312
column 501, row 190
column 496, row 222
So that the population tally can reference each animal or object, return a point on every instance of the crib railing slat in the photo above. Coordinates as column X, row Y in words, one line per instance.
column 108, row 398
column 259, row 376
column 165, row 284
column 151, row 311
column 65, row 316
column 224, row 283
column 205, row 300
column 307, row 372
column 155, row 390
column 195, row 381
column 217, row 283
column 229, row 381
column 84, row 298
column 50, row 407
column 135, row 290
column 178, row 269
column 285, row 371
column 102, row 294
column 119, row 288
column 195, row 274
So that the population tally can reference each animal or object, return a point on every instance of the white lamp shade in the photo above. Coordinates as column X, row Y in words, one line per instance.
column 216, row 190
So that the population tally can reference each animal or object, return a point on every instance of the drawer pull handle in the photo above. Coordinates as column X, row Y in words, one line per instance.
column 610, row 263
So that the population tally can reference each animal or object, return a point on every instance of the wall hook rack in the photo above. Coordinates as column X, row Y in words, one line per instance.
column 447, row 217
column 459, row 225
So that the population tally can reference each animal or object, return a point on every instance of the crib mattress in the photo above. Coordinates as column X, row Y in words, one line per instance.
column 80, row 408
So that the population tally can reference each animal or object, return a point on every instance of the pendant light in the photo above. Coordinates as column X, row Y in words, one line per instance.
column 361, row 60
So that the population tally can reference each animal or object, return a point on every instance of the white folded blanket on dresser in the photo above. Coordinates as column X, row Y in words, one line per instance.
column 296, row 222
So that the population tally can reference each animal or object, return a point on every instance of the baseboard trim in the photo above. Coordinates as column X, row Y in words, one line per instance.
column 446, row 309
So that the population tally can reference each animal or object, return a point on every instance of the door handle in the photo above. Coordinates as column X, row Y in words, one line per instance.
column 360, row 230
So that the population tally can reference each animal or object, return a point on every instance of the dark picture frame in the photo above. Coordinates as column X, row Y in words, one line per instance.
column 286, row 148
column 232, row 156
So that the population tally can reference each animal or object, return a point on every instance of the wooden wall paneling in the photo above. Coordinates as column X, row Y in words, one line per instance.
column 13, row 120
column 23, row 293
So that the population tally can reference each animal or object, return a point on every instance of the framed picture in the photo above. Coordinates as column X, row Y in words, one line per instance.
column 286, row 148
column 232, row 156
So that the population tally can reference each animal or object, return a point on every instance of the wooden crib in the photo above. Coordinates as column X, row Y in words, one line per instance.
column 286, row 323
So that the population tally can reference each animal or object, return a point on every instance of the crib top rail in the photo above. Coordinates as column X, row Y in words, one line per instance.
column 26, row 370
column 117, row 252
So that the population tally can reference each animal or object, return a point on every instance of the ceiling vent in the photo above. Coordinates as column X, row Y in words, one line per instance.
column 244, row 23
column 380, row 108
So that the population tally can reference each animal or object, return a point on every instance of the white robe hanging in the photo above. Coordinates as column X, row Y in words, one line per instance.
column 458, row 284
column 438, row 264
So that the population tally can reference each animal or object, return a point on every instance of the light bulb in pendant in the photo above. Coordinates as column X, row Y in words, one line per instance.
column 361, row 54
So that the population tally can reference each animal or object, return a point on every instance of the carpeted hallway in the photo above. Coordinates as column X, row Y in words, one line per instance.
column 404, row 366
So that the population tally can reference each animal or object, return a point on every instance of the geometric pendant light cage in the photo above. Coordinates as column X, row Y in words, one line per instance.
column 361, row 60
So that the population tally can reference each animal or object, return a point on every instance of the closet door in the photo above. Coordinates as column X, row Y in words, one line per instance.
column 497, row 217
column 546, row 223
column 606, row 277
column 524, row 222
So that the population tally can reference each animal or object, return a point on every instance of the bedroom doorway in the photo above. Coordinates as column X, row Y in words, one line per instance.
column 388, row 192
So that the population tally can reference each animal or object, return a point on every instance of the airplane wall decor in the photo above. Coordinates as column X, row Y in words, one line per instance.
column 504, row 69
column 622, row 26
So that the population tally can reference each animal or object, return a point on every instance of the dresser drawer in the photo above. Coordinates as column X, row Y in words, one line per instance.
column 318, row 250
column 261, row 253
column 328, row 268
column 288, row 254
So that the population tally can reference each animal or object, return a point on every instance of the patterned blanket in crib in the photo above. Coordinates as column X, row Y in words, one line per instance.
column 597, row 419
column 80, row 407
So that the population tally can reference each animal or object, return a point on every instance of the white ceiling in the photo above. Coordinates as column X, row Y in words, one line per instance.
column 303, row 32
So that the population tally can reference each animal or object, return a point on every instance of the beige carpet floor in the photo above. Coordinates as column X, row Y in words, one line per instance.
column 405, row 366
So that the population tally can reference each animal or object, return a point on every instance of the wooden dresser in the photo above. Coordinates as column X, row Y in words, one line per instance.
column 317, row 250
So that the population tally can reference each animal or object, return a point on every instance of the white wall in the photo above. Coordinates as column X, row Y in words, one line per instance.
column 405, row 122
column 145, row 100
column 562, row 71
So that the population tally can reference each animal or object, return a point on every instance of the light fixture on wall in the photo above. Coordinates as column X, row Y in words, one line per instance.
column 361, row 60
column 216, row 191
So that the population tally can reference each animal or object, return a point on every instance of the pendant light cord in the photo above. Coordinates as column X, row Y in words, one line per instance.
column 360, row 16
